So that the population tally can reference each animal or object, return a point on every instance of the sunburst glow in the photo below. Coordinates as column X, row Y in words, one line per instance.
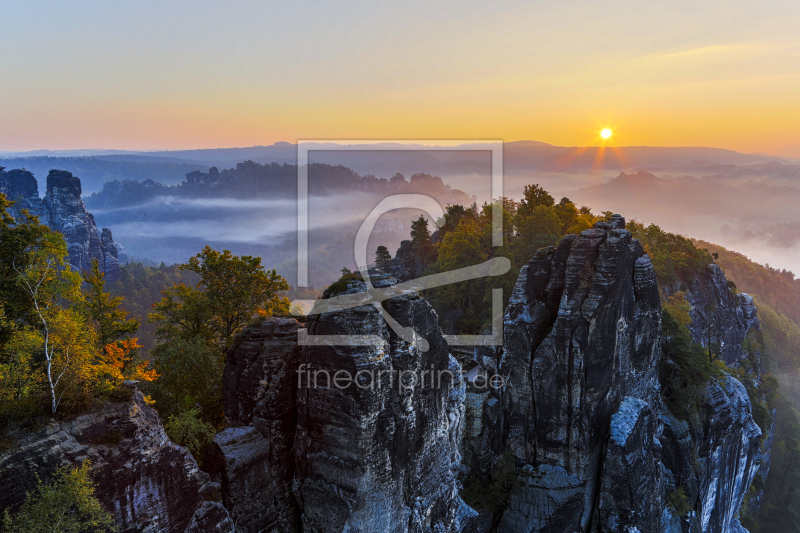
column 606, row 133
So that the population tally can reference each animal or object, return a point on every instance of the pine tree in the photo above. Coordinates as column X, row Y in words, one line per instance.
column 420, row 234
column 382, row 257
column 111, row 320
column 421, row 237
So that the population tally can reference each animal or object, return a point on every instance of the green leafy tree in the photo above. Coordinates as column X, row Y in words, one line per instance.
column 534, row 196
column 460, row 248
column 189, row 375
column 195, row 325
column 235, row 289
column 16, row 240
column 537, row 227
column 420, row 233
column 421, row 237
column 66, row 504
column 188, row 429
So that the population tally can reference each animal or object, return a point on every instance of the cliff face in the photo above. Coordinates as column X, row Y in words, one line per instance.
column 147, row 482
column 580, row 351
column 377, row 455
column 581, row 414
column 720, row 314
column 367, row 438
column 62, row 210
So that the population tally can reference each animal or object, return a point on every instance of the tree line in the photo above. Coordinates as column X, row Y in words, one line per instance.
column 67, row 345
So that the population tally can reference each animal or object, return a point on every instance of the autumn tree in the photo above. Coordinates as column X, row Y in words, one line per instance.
column 67, row 342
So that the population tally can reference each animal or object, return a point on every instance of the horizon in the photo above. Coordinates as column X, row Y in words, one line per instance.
column 460, row 142
column 701, row 75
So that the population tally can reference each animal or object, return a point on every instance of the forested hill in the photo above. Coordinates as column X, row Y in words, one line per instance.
column 255, row 180
column 95, row 171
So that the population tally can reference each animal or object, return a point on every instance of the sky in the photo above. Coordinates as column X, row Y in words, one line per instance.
column 146, row 75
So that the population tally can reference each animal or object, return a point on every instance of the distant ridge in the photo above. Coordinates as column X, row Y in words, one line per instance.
column 383, row 160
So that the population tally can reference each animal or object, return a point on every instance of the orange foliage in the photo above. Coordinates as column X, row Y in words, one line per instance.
column 119, row 362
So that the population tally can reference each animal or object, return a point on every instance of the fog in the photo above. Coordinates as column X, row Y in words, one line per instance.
column 748, row 209
column 751, row 210
column 172, row 229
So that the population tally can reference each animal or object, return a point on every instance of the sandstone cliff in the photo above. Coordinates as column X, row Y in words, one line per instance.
column 148, row 483
column 307, row 455
column 62, row 210
column 580, row 417
column 581, row 414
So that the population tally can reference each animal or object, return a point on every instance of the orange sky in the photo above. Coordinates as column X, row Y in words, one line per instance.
column 197, row 75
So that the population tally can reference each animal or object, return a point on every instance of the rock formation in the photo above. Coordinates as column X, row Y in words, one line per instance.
column 720, row 314
column 62, row 210
column 147, row 482
column 363, row 438
column 377, row 454
column 581, row 413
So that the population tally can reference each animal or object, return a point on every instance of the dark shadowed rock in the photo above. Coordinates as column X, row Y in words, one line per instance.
column 721, row 314
column 253, row 460
column 380, row 454
column 631, row 481
column 148, row 483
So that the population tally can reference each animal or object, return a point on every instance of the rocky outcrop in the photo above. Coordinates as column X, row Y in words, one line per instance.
column 368, row 436
column 253, row 459
column 729, row 452
column 581, row 334
column 62, row 210
column 411, row 260
column 581, row 413
column 148, row 483
column 381, row 457
column 20, row 187
column 312, row 449
column 720, row 314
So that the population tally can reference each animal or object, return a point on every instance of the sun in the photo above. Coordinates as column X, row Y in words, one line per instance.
column 606, row 133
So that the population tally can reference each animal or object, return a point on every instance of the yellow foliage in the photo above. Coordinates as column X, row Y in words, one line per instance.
column 678, row 307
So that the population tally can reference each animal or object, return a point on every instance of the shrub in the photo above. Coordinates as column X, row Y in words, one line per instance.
column 341, row 284
column 66, row 504
column 495, row 494
column 187, row 429
column 75, row 403
column 679, row 501
column 120, row 394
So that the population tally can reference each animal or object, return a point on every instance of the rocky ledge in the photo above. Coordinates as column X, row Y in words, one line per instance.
column 146, row 481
